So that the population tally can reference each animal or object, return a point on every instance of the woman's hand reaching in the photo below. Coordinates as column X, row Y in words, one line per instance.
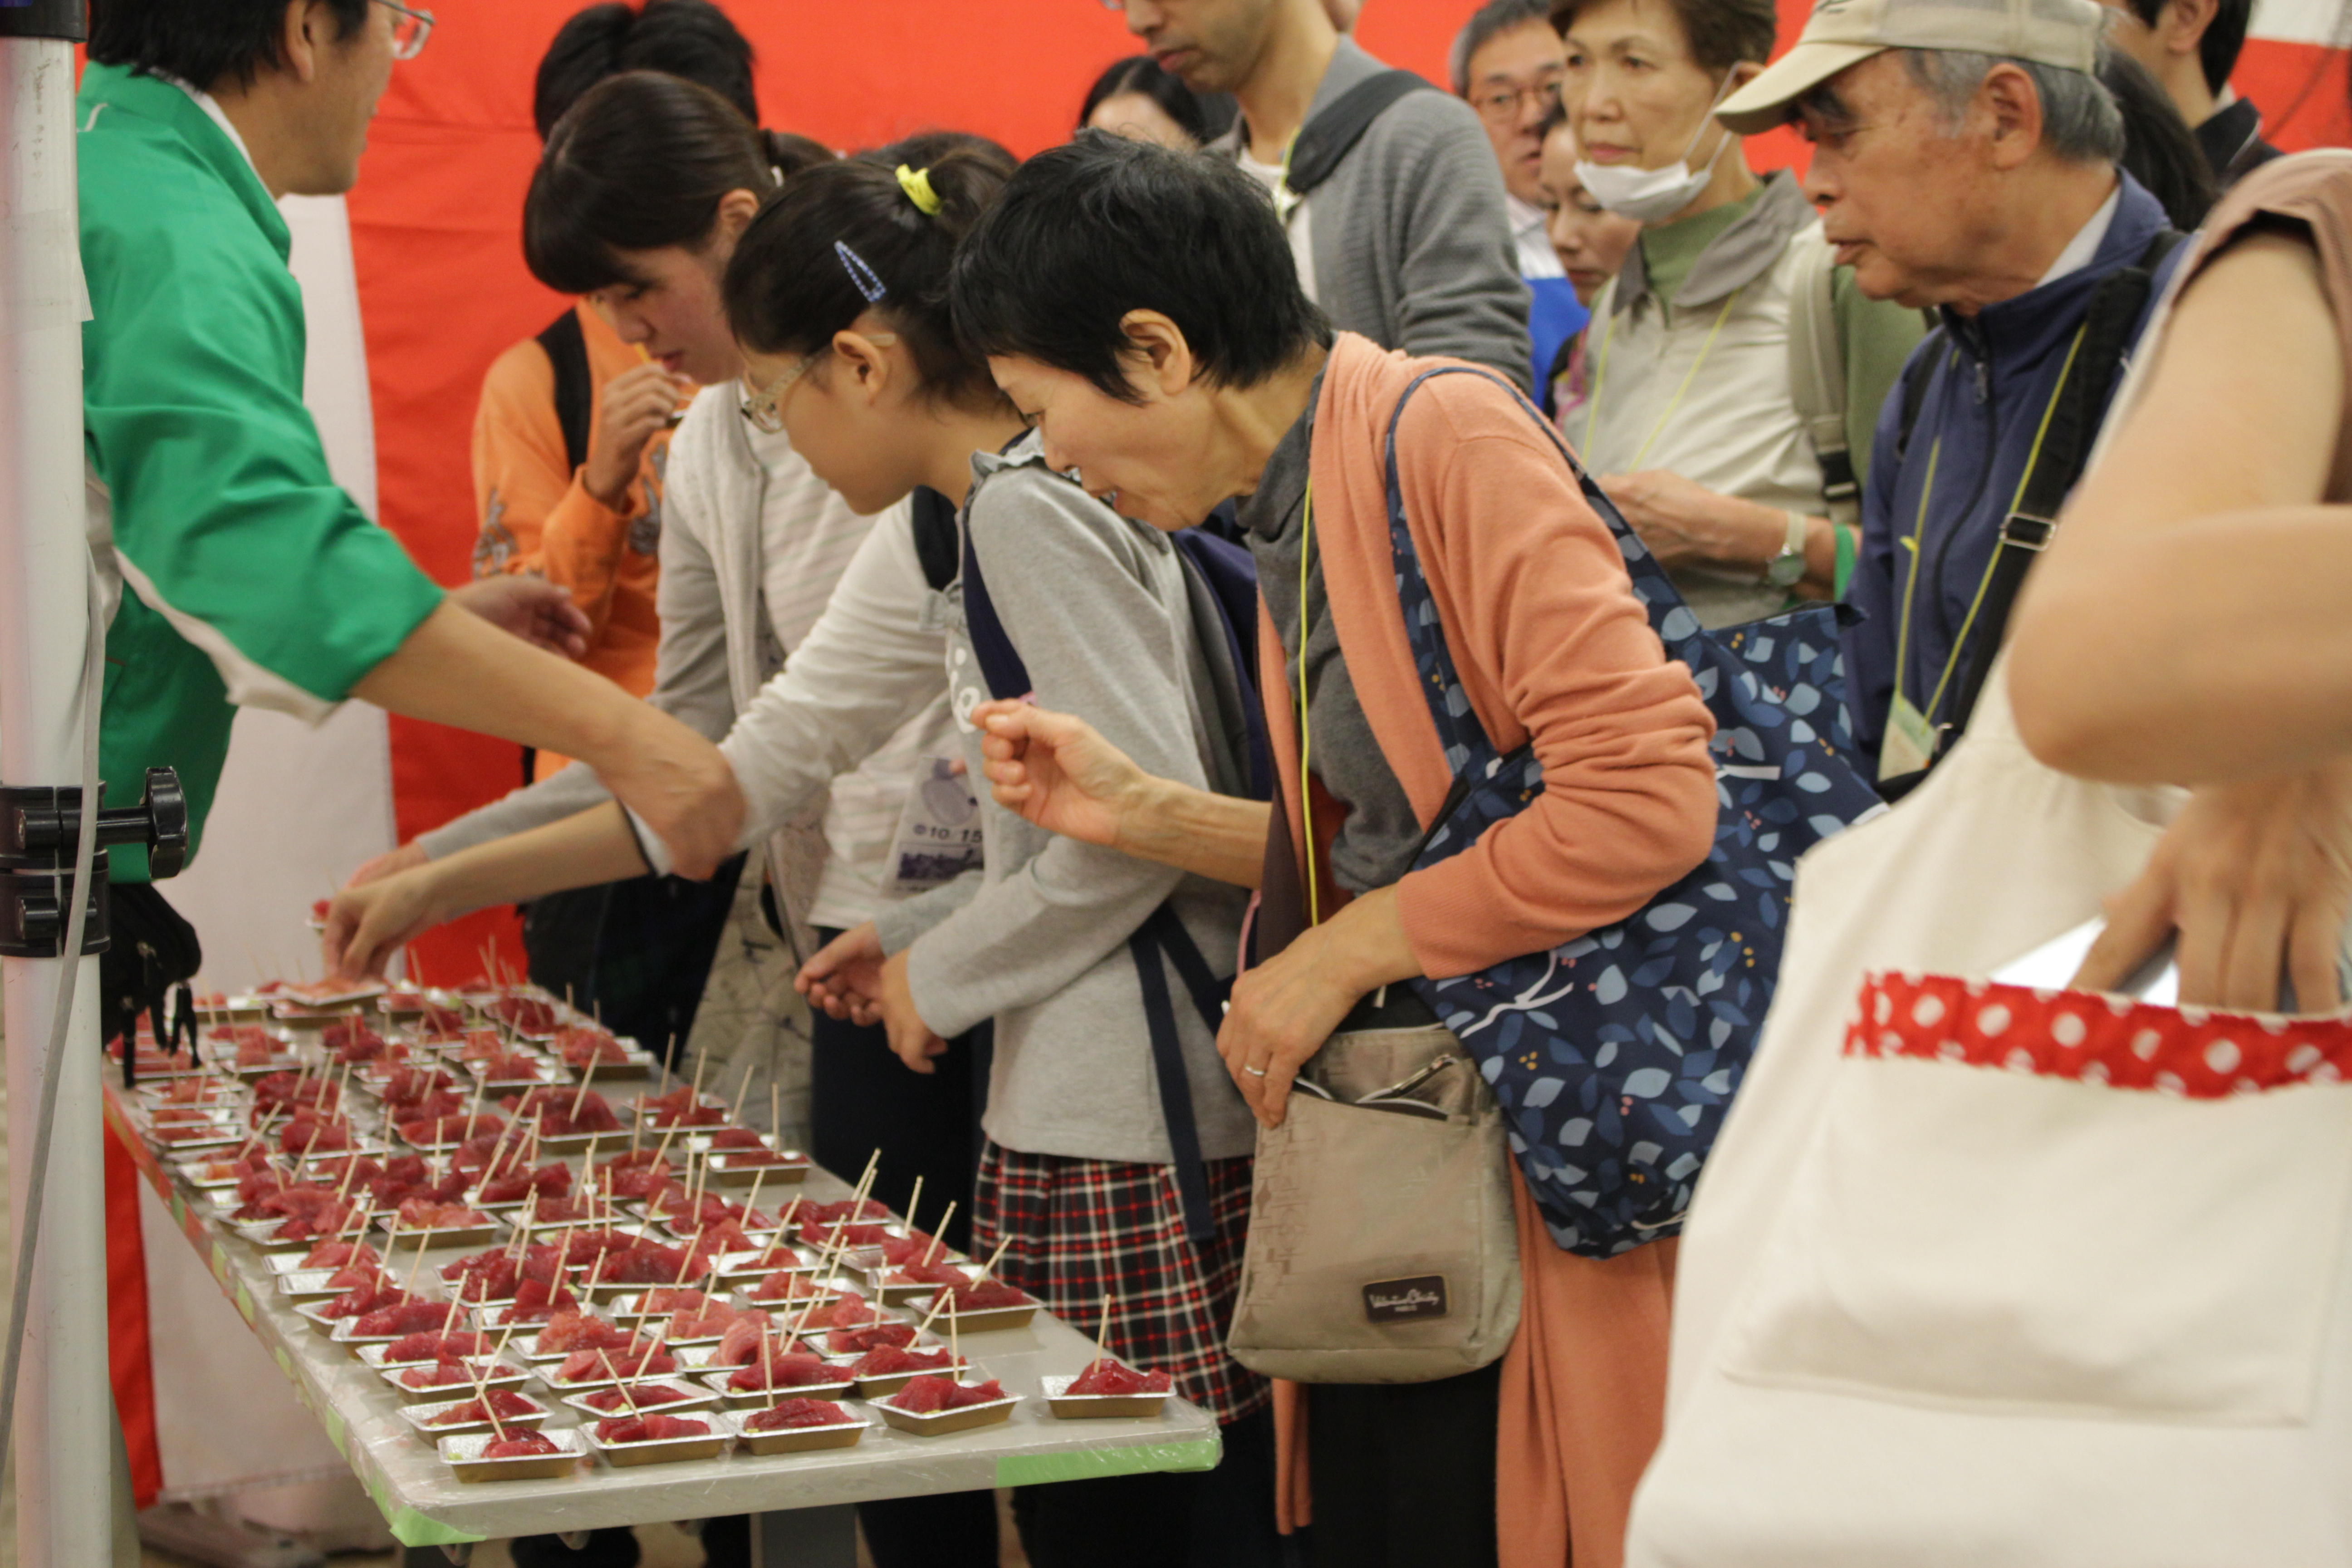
column 1056, row 772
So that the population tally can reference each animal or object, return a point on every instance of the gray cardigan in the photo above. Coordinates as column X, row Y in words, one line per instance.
column 1411, row 237
column 1096, row 607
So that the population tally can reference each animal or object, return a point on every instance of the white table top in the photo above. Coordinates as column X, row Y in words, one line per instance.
column 424, row 1504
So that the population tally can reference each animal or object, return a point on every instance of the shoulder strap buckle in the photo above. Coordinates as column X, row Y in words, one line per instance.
column 2025, row 530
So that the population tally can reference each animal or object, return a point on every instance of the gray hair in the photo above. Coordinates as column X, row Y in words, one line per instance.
column 1487, row 23
column 2080, row 121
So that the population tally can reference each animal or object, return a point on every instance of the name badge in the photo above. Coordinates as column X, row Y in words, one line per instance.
column 938, row 836
column 1910, row 743
column 1406, row 1301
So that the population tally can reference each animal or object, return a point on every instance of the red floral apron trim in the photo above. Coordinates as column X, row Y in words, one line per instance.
column 2094, row 1038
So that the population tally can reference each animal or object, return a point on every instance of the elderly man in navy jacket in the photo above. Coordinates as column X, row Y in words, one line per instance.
column 1964, row 159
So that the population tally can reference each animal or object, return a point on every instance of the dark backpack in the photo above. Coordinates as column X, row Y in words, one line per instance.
column 575, row 389
column 1221, row 582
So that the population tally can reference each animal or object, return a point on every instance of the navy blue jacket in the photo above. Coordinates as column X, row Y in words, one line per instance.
column 1984, row 402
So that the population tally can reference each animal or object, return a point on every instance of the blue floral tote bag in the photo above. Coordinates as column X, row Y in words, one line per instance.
column 1615, row 1056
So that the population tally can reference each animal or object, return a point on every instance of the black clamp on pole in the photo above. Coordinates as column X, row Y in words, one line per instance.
column 39, row 832
column 68, row 19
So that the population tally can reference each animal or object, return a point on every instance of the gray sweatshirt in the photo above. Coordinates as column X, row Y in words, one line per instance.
column 1410, row 233
column 1097, row 608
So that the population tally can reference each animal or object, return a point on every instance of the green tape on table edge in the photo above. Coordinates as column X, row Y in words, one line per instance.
column 410, row 1528
column 1040, row 1469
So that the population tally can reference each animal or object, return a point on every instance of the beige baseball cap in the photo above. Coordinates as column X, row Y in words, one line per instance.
column 1842, row 33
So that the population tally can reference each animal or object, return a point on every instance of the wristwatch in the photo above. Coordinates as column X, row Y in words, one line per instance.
column 1785, row 569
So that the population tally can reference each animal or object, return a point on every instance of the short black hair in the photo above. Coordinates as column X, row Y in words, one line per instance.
column 1486, row 24
column 640, row 162
column 201, row 42
column 1721, row 33
column 1142, row 74
column 790, row 285
column 689, row 39
column 2224, row 38
column 1104, row 224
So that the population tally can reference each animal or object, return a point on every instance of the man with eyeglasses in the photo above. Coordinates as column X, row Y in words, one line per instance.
column 238, row 572
column 1507, row 63
column 1388, row 190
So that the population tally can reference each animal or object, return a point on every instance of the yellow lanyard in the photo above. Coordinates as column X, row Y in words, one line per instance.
column 1600, row 374
column 1306, row 795
column 1920, row 527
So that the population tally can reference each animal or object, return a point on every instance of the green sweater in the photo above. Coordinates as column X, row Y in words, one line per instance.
column 247, row 575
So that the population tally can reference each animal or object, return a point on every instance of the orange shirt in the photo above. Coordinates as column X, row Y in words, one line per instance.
column 536, row 516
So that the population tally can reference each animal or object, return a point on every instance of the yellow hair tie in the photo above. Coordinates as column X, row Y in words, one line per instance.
column 917, row 184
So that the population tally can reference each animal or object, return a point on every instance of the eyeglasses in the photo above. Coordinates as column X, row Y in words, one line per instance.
column 1506, row 103
column 409, row 29
column 765, row 407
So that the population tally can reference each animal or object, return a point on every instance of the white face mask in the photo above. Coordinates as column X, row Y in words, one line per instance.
column 1651, row 195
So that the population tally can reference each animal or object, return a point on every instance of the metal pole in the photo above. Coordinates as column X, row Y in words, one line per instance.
column 64, row 1447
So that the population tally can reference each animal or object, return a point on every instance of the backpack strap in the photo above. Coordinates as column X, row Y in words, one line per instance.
column 1817, row 378
column 1334, row 132
column 575, row 390
column 2109, row 327
column 1163, row 936
column 1221, row 581
column 1000, row 662
column 933, row 522
column 1918, row 377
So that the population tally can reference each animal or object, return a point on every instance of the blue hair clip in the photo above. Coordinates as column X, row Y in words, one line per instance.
column 859, row 273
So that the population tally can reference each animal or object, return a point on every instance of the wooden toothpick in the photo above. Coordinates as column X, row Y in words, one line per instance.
column 1102, row 1335
column 931, row 1254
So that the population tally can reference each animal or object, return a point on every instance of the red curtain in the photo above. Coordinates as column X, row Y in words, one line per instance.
column 437, row 217
column 129, row 1366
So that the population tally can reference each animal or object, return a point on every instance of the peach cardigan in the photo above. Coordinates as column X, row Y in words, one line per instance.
column 1551, row 643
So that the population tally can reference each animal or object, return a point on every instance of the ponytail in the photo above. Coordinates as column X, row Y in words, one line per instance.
column 874, row 232
column 640, row 162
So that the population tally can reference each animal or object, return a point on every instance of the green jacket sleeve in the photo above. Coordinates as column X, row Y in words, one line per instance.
column 224, row 517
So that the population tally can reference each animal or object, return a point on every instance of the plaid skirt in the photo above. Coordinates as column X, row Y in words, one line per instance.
column 1084, row 1229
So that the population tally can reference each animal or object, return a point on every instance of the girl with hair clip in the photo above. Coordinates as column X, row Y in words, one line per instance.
column 838, row 295
column 754, row 547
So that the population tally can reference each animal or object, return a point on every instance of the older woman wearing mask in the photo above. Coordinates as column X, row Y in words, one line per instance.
column 1690, row 417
